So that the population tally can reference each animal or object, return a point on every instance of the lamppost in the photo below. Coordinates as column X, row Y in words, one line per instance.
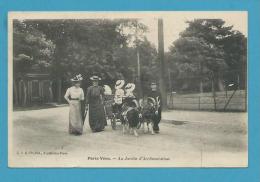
column 163, row 75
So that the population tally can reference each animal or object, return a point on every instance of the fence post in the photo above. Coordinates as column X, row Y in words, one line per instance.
column 213, row 90
column 163, row 71
column 230, row 99
column 171, row 100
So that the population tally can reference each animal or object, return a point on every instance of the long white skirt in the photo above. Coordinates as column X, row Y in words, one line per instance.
column 75, row 118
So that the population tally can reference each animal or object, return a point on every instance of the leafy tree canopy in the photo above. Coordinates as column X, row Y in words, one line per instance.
column 103, row 47
column 208, row 48
column 31, row 49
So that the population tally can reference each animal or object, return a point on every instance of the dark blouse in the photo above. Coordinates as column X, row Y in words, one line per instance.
column 95, row 95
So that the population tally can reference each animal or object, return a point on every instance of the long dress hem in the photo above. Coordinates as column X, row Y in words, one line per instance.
column 97, row 118
column 75, row 118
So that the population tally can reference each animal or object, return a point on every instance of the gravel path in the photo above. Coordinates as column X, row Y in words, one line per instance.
column 187, row 139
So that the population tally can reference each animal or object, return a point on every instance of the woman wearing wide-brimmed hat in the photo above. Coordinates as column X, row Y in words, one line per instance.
column 74, row 95
column 95, row 105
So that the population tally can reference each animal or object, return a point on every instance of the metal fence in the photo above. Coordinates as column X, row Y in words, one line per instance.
column 235, row 100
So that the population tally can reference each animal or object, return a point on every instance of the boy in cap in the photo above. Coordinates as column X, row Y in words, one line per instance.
column 154, row 93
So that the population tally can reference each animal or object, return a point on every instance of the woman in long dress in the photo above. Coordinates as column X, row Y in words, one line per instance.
column 74, row 95
column 95, row 106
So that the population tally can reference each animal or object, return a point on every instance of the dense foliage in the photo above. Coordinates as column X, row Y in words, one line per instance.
column 88, row 47
column 208, row 54
column 208, row 51
column 31, row 49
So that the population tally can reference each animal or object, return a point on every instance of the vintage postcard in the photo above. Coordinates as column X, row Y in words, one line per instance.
column 127, row 89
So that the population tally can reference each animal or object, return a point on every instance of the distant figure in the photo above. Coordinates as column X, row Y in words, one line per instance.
column 74, row 95
column 95, row 105
column 154, row 93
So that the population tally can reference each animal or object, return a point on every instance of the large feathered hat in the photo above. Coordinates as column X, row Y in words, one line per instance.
column 77, row 78
column 108, row 90
column 119, row 84
column 130, row 86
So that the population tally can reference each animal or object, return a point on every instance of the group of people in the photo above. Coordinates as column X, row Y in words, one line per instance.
column 94, row 103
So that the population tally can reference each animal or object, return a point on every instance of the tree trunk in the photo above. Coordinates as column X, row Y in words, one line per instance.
column 59, row 91
column 238, row 82
column 201, row 86
column 15, row 100
column 50, row 93
column 201, row 77
column 221, row 85
column 213, row 91
column 139, row 87
column 25, row 94
column 170, row 80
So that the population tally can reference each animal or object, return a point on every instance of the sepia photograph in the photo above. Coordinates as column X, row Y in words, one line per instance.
column 127, row 89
